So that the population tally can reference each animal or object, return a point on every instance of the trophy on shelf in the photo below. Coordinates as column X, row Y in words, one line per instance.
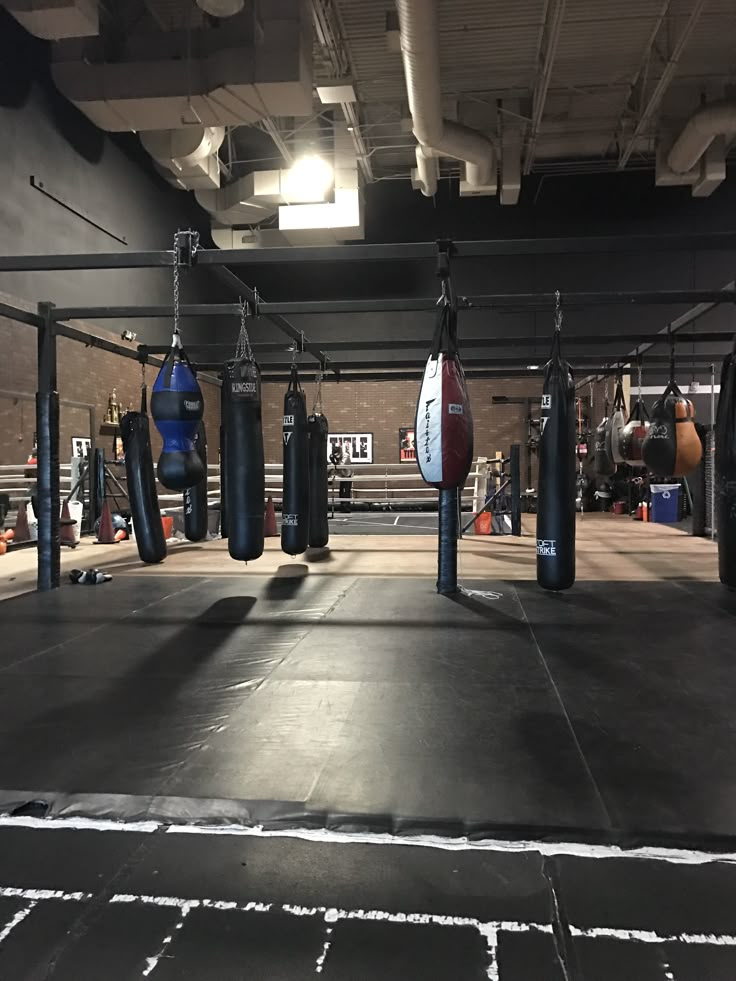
column 112, row 416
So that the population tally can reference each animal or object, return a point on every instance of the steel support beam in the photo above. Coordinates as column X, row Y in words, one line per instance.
column 47, row 442
column 384, row 252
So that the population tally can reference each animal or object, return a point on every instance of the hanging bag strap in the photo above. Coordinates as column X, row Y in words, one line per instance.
column 445, row 333
column 294, row 383
column 619, row 402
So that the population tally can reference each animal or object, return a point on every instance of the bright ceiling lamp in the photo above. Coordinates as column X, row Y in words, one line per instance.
column 221, row 8
column 308, row 179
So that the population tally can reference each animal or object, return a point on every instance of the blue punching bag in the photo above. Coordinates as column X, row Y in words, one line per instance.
column 177, row 407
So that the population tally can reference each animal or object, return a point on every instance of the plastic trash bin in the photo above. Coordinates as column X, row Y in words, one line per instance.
column 665, row 503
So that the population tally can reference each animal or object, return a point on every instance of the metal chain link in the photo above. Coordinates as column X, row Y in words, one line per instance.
column 177, row 332
column 591, row 386
column 558, row 311
column 638, row 369
column 317, row 410
column 243, row 348
column 143, row 374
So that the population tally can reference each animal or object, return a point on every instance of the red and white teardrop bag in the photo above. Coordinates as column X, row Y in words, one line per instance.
column 443, row 434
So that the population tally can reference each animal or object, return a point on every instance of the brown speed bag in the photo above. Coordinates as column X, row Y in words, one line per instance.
column 672, row 447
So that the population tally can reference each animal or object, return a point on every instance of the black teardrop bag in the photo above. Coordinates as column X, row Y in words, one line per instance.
column 245, row 482
column 295, row 507
column 725, row 472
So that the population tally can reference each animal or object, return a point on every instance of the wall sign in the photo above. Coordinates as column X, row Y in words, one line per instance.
column 358, row 445
column 407, row 449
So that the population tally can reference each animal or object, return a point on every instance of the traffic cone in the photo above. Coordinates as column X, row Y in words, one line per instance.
column 270, row 530
column 106, row 534
column 66, row 526
column 22, row 531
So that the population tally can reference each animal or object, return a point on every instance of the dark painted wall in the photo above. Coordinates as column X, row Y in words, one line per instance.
column 110, row 180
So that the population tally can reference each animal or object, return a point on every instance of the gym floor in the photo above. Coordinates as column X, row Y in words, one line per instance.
column 302, row 766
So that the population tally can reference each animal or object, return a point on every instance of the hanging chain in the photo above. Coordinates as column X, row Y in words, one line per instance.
column 591, row 397
column 143, row 374
column 243, row 349
column 638, row 371
column 177, row 332
column 605, row 393
column 317, row 410
column 558, row 311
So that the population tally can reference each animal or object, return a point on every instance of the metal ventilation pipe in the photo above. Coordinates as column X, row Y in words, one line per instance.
column 716, row 119
column 420, row 51
column 221, row 8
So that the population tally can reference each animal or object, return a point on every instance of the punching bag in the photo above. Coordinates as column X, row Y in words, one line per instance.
column 444, row 423
column 319, row 531
column 245, row 480
column 615, row 426
column 142, row 495
column 634, row 434
column 295, row 503
column 177, row 407
column 602, row 462
column 672, row 447
column 195, row 498
column 725, row 472
column 557, row 491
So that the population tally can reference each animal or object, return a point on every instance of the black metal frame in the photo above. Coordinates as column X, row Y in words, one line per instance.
column 50, row 321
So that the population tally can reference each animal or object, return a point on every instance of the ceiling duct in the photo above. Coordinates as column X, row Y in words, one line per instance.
column 437, row 136
column 190, row 154
column 56, row 19
column 209, row 76
column 221, row 8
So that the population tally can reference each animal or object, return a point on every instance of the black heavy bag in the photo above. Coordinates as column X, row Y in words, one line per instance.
column 319, row 531
column 177, row 407
column 149, row 530
column 245, row 479
column 602, row 462
column 725, row 476
column 615, row 425
column 295, row 504
column 223, row 457
column 195, row 498
column 672, row 447
column 557, row 491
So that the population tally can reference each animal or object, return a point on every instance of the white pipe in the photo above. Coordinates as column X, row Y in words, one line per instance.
column 420, row 50
column 716, row 119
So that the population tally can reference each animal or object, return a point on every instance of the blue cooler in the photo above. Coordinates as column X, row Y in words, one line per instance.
column 665, row 503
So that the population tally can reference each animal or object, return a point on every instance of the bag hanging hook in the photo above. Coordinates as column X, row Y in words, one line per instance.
column 243, row 348
column 671, row 340
column 638, row 372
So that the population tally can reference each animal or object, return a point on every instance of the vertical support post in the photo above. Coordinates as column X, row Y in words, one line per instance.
column 47, row 429
column 515, row 468
column 98, row 486
column 447, row 546
column 711, row 462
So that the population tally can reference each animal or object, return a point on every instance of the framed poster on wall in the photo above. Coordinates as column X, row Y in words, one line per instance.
column 359, row 446
column 407, row 449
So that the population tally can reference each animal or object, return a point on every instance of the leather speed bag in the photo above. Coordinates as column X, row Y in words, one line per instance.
column 604, row 465
column 725, row 473
column 557, row 491
column 319, row 531
column 672, row 447
column 295, row 504
column 245, row 483
column 177, row 407
column 195, row 498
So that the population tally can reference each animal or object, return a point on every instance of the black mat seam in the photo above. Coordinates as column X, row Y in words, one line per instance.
column 100, row 626
column 565, row 713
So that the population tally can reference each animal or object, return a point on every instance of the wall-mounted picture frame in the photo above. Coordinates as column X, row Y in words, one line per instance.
column 407, row 448
column 359, row 446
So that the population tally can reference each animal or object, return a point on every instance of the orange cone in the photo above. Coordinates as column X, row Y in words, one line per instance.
column 270, row 530
column 22, row 531
column 66, row 526
column 106, row 535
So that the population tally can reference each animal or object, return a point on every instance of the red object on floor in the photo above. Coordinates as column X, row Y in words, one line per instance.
column 66, row 528
column 270, row 530
column 168, row 522
column 619, row 507
column 483, row 524
column 120, row 535
column 106, row 534
column 22, row 531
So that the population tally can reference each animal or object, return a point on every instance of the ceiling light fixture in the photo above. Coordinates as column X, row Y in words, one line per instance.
column 532, row 367
column 308, row 179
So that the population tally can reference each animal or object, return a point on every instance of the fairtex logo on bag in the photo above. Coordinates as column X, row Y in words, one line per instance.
column 546, row 546
column 455, row 409
column 292, row 520
column 427, row 417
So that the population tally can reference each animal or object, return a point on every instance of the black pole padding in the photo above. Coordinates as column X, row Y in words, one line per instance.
column 295, row 506
column 195, row 498
column 515, row 475
column 697, row 484
column 142, row 494
column 725, row 472
column 319, row 529
column 47, row 496
column 98, row 492
column 223, row 459
column 447, row 544
column 557, row 476
column 245, row 472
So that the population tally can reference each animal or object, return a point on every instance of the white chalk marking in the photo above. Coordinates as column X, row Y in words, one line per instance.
column 36, row 895
column 398, row 518
column 330, row 917
column 676, row 856
column 490, row 934
column 650, row 937
column 16, row 920
column 152, row 962
column 668, row 971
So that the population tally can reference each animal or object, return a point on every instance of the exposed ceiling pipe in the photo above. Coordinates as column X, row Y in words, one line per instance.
column 420, row 51
column 716, row 119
